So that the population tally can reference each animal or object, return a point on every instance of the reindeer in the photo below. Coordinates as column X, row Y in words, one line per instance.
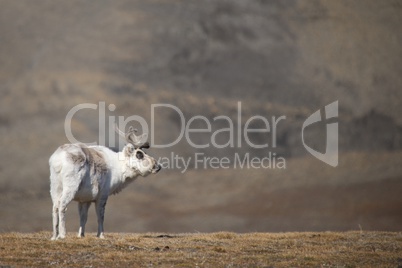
column 89, row 174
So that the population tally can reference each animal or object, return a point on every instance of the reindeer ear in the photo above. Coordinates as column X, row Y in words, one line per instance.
column 129, row 149
column 145, row 146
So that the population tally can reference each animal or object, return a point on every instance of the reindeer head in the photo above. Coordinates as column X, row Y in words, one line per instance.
column 138, row 160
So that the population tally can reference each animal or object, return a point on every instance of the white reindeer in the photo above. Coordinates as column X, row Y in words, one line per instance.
column 89, row 174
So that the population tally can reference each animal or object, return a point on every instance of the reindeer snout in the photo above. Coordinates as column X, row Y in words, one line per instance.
column 156, row 168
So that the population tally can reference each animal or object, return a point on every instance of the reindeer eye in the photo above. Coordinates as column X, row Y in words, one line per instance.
column 139, row 155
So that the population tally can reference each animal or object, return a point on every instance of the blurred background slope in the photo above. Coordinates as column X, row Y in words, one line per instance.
column 276, row 57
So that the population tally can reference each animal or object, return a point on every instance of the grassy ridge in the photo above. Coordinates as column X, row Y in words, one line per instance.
column 324, row 249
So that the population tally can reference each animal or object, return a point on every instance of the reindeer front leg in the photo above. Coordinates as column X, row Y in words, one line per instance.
column 83, row 211
column 100, row 213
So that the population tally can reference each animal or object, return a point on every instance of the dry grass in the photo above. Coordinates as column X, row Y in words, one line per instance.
column 223, row 249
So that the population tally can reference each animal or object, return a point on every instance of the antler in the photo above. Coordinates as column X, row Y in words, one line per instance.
column 139, row 141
